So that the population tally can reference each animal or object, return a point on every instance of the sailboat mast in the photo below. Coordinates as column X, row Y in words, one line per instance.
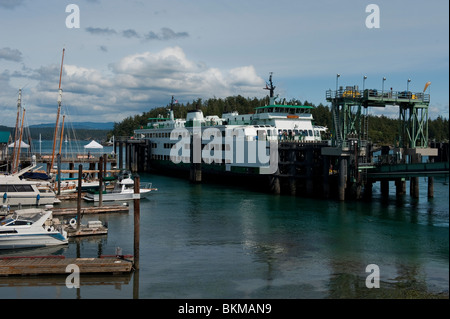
column 19, row 104
column 20, row 142
column 57, row 114
column 62, row 134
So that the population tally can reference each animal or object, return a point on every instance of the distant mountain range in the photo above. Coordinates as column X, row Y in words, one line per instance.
column 81, row 125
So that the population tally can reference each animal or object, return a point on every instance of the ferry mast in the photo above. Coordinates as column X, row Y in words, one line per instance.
column 271, row 88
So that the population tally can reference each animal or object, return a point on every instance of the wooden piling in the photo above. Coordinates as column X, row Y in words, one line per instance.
column 399, row 187
column 100, row 182
column 342, row 177
column 59, row 173
column 80, row 173
column 71, row 168
column 384, row 186
column 414, row 182
column 430, row 187
column 326, row 177
column 136, row 221
column 431, row 183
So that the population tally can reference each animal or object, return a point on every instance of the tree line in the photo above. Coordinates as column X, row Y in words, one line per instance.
column 382, row 129
column 47, row 133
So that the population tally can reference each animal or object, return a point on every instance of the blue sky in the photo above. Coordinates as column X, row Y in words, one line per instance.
column 130, row 56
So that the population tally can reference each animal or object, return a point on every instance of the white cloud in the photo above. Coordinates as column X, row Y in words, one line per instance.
column 10, row 54
column 137, row 83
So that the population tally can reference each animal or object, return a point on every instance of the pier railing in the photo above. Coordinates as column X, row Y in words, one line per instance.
column 372, row 94
column 65, row 158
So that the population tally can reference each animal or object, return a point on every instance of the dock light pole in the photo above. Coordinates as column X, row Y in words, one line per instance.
column 364, row 82
column 337, row 80
column 407, row 85
column 382, row 87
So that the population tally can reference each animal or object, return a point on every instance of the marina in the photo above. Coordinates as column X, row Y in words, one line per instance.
column 223, row 158
column 275, row 233
column 216, row 241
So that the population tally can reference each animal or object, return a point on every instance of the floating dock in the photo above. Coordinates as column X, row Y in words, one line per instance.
column 72, row 211
column 54, row 265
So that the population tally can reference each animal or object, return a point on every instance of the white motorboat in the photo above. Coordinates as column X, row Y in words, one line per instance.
column 27, row 228
column 16, row 191
column 123, row 190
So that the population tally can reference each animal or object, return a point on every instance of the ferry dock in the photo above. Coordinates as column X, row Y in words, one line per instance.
column 344, row 167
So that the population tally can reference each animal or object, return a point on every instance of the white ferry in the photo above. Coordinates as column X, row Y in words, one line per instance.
column 237, row 143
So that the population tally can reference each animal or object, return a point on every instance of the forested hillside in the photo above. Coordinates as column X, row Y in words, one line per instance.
column 382, row 130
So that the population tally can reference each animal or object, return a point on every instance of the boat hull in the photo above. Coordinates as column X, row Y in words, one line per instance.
column 27, row 200
column 117, row 196
column 16, row 241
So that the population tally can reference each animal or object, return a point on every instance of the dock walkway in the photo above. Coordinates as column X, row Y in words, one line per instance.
column 51, row 265
column 72, row 211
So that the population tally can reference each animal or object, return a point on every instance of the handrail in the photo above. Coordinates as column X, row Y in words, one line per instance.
column 378, row 94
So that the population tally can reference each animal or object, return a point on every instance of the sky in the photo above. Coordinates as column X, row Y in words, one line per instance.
column 127, row 57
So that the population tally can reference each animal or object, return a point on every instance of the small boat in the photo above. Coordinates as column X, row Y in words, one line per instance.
column 123, row 190
column 15, row 191
column 28, row 228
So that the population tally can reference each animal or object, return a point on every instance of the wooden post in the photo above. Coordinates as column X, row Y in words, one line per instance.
column 342, row 178
column 59, row 173
column 71, row 167
column 326, row 176
column 414, row 181
column 136, row 220
column 100, row 182
column 105, row 164
column 309, row 171
column 431, row 183
column 80, row 173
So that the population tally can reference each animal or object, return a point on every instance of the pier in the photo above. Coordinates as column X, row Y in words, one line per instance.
column 57, row 265
column 92, row 161
column 344, row 167
column 72, row 211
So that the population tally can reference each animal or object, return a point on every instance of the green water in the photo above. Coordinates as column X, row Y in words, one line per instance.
column 216, row 241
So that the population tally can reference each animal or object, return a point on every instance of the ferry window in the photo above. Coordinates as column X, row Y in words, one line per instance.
column 3, row 188
column 310, row 133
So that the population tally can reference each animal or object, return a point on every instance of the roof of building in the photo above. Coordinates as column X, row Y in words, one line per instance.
column 4, row 136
